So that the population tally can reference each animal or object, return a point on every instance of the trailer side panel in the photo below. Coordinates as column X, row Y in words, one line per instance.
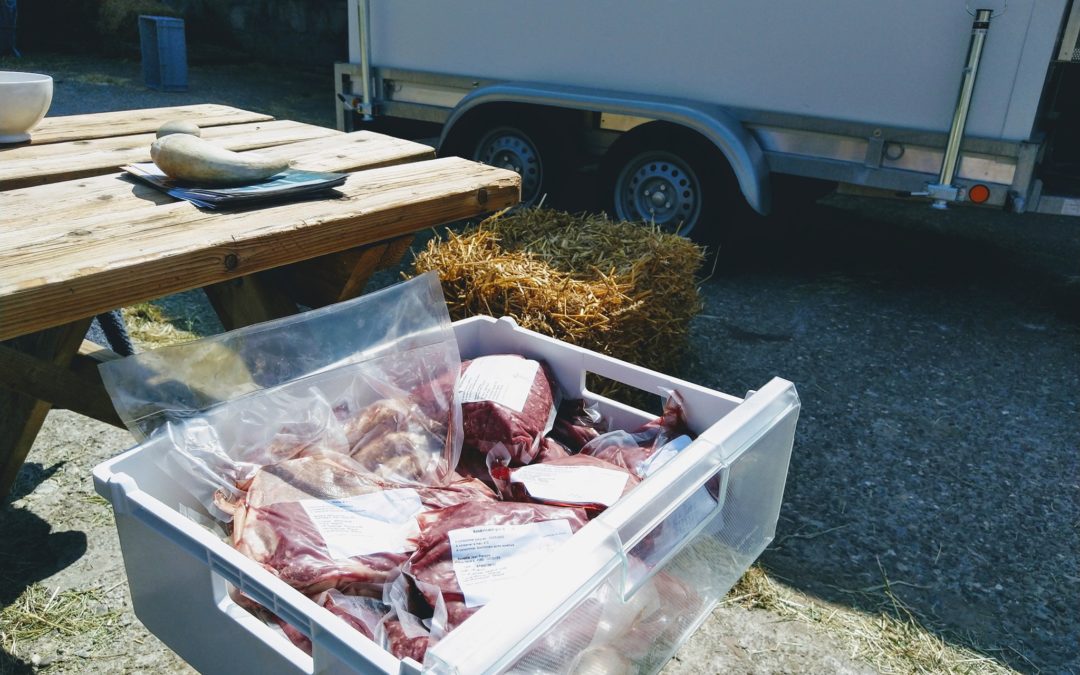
column 894, row 64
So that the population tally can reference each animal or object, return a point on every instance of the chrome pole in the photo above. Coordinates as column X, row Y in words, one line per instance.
column 963, row 104
column 363, row 13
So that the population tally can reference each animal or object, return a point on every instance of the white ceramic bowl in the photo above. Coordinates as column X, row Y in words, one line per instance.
column 24, row 100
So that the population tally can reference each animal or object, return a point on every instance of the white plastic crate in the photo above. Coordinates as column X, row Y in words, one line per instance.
column 670, row 549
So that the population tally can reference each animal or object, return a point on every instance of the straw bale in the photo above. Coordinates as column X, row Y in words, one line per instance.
column 623, row 289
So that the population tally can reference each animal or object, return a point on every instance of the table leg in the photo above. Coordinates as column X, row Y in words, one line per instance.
column 339, row 276
column 22, row 415
column 80, row 391
column 248, row 300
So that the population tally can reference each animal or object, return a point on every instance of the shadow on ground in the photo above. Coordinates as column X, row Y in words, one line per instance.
column 31, row 550
column 936, row 453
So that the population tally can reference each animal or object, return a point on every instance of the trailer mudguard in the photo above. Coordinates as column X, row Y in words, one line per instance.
column 711, row 121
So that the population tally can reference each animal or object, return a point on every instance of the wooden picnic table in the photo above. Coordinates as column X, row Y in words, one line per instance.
column 78, row 237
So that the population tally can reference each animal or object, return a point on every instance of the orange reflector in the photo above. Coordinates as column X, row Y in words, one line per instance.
column 979, row 193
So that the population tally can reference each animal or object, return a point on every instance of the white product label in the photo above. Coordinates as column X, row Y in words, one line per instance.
column 487, row 558
column 378, row 522
column 664, row 455
column 571, row 484
column 506, row 380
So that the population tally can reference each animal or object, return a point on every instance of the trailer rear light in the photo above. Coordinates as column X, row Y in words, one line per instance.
column 979, row 193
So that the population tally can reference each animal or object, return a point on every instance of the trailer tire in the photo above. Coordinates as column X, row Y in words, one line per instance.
column 535, row 146
column 665, row 174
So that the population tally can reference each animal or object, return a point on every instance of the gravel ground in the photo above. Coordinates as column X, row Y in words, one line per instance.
column 937, row 365
column 935, row 461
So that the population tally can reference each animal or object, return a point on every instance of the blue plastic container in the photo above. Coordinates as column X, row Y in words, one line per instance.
column 164, row 53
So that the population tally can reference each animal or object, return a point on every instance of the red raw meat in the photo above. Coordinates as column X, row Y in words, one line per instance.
column 475, row 464
column 551, row 450
column 488, row 424
column 273, row 525
column 576, row 424
column 432, row 564
column 395, row 439
column 362, row 613
column 632, row 449
column 401, row 645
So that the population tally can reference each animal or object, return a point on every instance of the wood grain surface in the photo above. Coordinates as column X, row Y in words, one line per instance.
column 27, row 165
column 98, row 262
column 127, row 122
column 55, row 204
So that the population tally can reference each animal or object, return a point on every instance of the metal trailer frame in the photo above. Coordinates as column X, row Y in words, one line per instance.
column 860, row 157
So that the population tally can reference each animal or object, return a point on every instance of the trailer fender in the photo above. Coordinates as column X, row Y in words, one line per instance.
column 711, row 121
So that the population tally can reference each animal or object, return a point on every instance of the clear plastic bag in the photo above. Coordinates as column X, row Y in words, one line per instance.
column 649, row 447
column 180, row 381
column 372, row 378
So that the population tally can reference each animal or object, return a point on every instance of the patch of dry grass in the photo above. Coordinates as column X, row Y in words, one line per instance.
column 98, row 510
column 892, row 639
column 39, row 612
column 149, row 327
column 171, row 320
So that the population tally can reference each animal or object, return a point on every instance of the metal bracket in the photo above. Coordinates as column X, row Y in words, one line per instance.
column 875, row 151
column 943, row 194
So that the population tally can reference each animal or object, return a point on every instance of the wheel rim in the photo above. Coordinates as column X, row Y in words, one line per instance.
column 659, row 187
column 510, row 148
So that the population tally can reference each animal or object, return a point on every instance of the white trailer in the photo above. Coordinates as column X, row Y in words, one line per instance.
column 680, row 104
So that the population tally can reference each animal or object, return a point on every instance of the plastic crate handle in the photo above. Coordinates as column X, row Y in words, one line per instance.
column 332, row 639
column 496, row 636
column 651, row 505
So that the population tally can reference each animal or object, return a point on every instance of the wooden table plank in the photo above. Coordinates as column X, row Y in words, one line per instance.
column 56, row 385
column 160, row 250
column 57, row 206
column 40, row 164
column 127, row 122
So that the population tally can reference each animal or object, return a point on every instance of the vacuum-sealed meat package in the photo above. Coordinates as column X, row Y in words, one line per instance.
column 551, row 450
column 647, row 448
column 325, row 522
column 508, row 402
column 466, row 554
column 367, row 378
column 577, row 423
column 577, row 481
column 360, row 612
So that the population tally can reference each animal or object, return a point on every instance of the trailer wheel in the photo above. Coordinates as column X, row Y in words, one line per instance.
column 533, row 143
column 516, row 149
column 663, row 174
